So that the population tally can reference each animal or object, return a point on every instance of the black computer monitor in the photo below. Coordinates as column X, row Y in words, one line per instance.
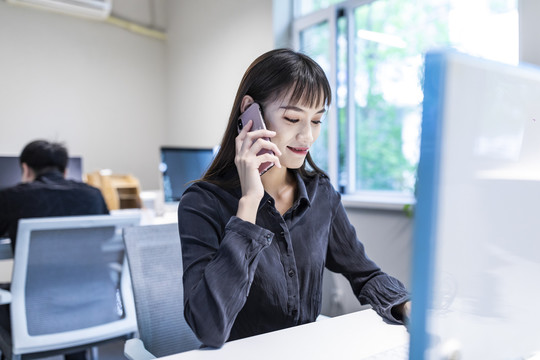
column 10, row 170
column 180, row 166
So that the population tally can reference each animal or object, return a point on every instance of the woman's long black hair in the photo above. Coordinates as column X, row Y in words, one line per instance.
column 271, row 76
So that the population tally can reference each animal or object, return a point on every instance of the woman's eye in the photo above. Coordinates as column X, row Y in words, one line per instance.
column 291, row 120
column 316, row 122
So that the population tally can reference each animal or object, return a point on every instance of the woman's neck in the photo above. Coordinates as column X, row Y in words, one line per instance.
column 281, row 185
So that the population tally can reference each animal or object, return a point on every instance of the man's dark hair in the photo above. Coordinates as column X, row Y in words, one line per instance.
column 41, row 156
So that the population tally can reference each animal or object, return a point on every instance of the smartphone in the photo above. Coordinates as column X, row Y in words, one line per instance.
column 254, row 112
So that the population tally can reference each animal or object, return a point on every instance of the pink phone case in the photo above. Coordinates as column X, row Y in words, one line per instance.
column 253, row 112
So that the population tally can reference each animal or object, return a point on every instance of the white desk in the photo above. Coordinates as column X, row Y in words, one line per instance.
column 356, row 336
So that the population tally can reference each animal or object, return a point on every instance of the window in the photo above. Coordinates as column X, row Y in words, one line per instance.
column 372, row 52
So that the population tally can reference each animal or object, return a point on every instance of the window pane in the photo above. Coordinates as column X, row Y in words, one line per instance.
column 303, row 7
column 391, row 37
column 314, row 42
column 378, row 94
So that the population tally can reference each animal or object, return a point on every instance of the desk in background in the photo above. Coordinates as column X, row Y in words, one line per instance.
column 359, row 335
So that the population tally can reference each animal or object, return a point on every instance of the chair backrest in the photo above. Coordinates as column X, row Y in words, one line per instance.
column 155, row 260
column 70, row 284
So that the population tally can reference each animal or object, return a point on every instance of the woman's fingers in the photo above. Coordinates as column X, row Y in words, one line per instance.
column 268, row 157
column 253, row 148
column 263, row 144
column 254, row 141
column 242, row 135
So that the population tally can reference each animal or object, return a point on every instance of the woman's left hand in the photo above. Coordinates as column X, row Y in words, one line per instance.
column 402, row 312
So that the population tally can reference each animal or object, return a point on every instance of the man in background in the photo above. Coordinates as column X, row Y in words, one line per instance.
column 44, row 191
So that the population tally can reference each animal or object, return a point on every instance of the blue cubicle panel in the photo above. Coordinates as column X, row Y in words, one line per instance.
column 477, row 234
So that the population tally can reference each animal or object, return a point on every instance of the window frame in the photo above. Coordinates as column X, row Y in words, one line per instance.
column 390, row 200
column 300, row 24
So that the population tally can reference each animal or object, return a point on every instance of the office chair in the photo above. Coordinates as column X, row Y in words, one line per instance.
column 154, row 255
column 70, row 287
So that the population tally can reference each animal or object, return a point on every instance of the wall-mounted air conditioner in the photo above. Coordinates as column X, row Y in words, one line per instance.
column 95, row 9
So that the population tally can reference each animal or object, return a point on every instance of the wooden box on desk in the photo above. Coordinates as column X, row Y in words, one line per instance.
column 120, row 191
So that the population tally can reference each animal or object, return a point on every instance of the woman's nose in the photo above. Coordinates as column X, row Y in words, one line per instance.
column 306, row 134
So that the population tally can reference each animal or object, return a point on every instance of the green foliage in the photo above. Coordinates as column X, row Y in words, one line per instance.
column 421, row 24
column 381, row 164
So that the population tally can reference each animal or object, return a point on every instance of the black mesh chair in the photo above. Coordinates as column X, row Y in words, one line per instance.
column 70, row 288
column 155, row 261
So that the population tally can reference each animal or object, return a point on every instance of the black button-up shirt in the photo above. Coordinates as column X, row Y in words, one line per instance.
column 48, row 195
column 242, row 279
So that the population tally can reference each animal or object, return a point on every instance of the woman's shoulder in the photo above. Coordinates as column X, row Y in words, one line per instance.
column 205, row 191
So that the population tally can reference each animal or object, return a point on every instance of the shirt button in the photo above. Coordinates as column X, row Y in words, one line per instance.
column 291, row 272
column 282, row 234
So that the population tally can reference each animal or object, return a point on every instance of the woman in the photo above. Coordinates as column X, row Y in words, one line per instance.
column 255, row 246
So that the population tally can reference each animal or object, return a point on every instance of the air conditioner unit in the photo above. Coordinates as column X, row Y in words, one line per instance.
column 94, row 9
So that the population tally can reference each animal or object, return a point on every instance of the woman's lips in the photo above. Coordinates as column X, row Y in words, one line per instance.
column 299, row 150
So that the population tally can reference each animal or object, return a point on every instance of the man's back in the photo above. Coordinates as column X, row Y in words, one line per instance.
column 48, row 195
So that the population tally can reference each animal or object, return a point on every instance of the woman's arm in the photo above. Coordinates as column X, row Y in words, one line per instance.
column 247, row 161
column 346, row 255
column 219, row 250
column 220, row 256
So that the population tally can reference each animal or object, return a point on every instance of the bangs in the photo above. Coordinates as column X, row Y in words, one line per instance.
column 310, row 93
column 284, row 74
column 307, row 84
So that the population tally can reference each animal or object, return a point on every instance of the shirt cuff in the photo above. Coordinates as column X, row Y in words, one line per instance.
column 382, row 293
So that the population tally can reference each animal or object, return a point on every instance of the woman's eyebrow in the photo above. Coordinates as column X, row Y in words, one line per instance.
column 296, row 108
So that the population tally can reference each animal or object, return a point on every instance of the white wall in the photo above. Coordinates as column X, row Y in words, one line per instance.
column 97, row 87
column 210, row 44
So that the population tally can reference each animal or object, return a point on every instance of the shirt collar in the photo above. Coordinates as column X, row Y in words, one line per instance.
column 303, row 197
column 303, row 200
column 50, row 175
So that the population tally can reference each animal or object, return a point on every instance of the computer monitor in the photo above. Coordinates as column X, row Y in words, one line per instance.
column 180, row 166
column 476, row 231
column 10, row 170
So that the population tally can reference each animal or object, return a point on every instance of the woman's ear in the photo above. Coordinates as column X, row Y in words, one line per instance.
column 246, row 101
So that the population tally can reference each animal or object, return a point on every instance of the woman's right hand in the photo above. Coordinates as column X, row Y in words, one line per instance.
column 248, row 145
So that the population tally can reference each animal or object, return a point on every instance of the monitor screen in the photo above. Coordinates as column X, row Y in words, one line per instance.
column 180, row 166
column 476, row 231
column 10, row 170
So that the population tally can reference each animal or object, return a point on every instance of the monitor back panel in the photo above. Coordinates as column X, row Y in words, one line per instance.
column 477, row 234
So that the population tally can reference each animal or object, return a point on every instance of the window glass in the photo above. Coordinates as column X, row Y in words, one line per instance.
column 314, row 41
column 303, row 7
column 380, row 47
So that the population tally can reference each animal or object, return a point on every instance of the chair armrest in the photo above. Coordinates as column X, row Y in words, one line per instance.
column 5, row 297
column 134, row 350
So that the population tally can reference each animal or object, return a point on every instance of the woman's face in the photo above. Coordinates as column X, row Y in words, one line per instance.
column 297, row 127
